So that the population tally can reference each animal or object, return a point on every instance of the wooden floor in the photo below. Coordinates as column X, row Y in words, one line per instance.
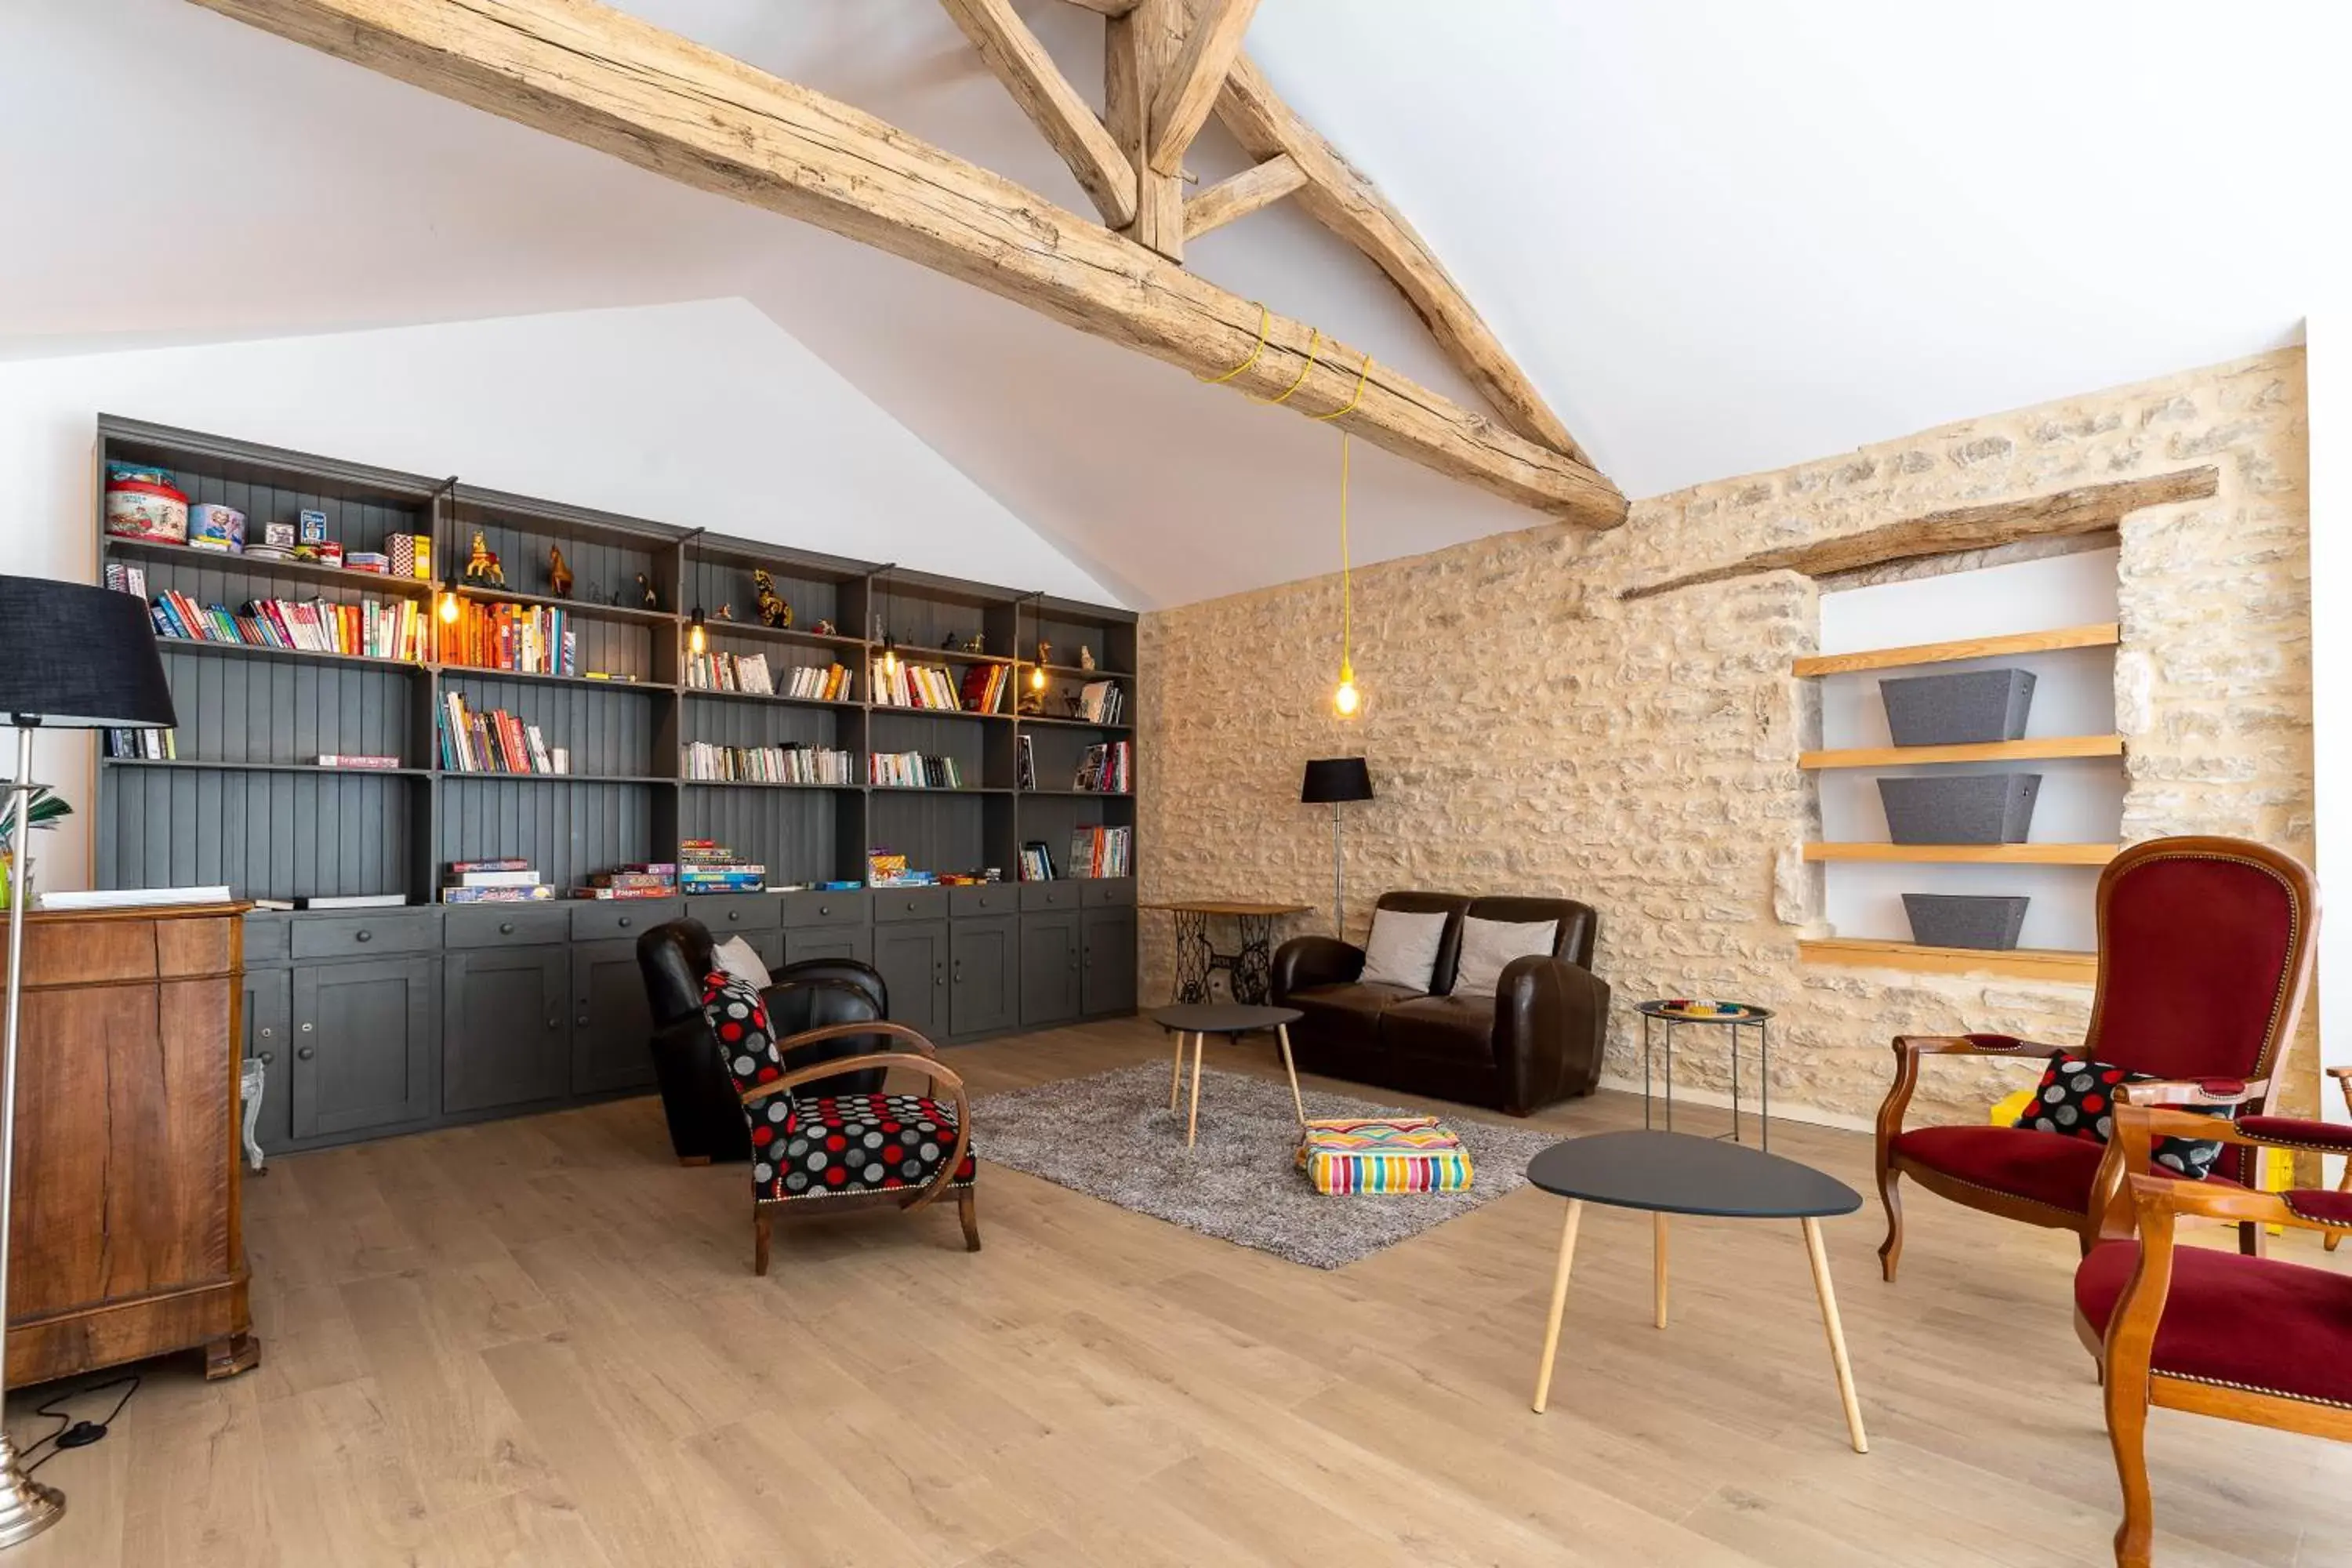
column 540, row 1342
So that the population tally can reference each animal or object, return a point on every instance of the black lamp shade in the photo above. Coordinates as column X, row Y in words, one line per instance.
column 1336, row 778
column 77, row 657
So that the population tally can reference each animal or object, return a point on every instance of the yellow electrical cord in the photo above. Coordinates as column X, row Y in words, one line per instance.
column 1264, row 320
column 1364, row 371
column 1314, row 337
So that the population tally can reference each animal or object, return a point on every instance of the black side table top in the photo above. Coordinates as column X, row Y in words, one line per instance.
column 1754, row 1014
column 1223, row 1017
column 1679, row 1172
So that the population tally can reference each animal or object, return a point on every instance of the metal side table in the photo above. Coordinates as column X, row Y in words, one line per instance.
column 1666, row 1016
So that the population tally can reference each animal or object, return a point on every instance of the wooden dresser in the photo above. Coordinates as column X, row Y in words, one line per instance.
column 125, row 1239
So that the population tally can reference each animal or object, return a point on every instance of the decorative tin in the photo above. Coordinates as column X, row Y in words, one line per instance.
column 314, row 527
column 367, row 561
column 214, row 527
column 277, row 535
column 402, row 549
column 139, row 509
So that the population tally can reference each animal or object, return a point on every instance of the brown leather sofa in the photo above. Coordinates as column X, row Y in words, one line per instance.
column 1536, row 1041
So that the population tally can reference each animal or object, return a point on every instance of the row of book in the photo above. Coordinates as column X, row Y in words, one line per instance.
column 1102, row 852
column 826, row 683
column 371, row 629
column 527, row 639
column 730, row 672
column 492, row 742
column 932, row 687
column 793, row 764
column 151, row 745
column 1107, row 769
column 707, row 866
column 1101, row 702
column 635, row 880
column 912, row 770
column 493, row 882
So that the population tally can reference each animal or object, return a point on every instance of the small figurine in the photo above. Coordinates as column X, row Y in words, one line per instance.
column 826, row 628
column 979, row 643
column 1044, row 652
column 559, row 575
column 951, row 642
column 481, row 566
column 723, row 612
column 1085, row 656
column 773, row 610
column 646, row 591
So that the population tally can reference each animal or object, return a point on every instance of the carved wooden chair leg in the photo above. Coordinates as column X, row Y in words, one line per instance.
column 1890, row 1251
column 762, row 1225
column 969, row 1212
column 2127, row 1399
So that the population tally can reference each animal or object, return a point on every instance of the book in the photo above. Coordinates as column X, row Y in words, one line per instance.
column 623, row 892
column 354, row 902
column 459, row 868
column 504, row 878
column 538, row 893
column 356, row 760
column 1024, row 764
column 130, row 898
column 1036, row 862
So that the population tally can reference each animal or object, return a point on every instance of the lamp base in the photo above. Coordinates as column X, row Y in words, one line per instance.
column 27, row 1506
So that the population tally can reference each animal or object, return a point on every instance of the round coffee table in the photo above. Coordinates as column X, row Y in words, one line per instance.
column 1230, row 1019
column 1677, row 1173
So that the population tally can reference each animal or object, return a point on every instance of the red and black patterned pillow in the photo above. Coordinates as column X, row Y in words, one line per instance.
column 2076, row 1099
column 747, row 1044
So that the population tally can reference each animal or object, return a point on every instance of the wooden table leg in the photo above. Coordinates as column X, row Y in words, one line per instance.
column 1192, row 1123
column 1658, row 1264
column 1820, row 1261
column 1297, row 1101
column 1176, row 1074
column 1558, row 1303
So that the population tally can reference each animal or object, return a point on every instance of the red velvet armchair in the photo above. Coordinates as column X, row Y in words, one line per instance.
column 2205, row 956
column 2247, row 1338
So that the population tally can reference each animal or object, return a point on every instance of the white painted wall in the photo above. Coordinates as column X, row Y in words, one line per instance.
column 2081, row 802
column 704, row 413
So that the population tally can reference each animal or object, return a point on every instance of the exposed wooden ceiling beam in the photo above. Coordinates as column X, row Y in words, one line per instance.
column 1341, row 198
column 607, row 80
column 1108, row 7
column 1189, row 89
column 1139, row 48
column 1260, row 185
column 1046, row 97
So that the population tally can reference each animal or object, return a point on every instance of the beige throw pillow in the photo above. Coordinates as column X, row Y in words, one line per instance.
column 734, row 956
column 1489, row 945
column 1402, row 948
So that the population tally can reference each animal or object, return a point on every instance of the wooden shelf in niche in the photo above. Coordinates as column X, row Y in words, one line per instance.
column 930, row 789
column 881, row 710
column 586, row 609
column 778, row 700
column 777, row 784
column 2105, row 634
column 295, row 655
column 545, row 778
column 188, row 556
column 491, row 672
column 2051, row 749
column 201, row 763
column 1074, row 723
column 1075, row 672
column 1083, row 794
column 2021, row 963
column 1970, row 854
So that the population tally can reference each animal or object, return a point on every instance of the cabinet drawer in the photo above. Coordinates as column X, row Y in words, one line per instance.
column 1049, row 895
column 996, row 899
column 910, row 903
column 266, row 938
column 488, row 926
column 736, row 911
column 839, row 909
column 597, row 919
column 362, row 936
column 1100, row 891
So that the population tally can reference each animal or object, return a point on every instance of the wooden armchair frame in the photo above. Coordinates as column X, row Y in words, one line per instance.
column 924, row 1058
column 2343, row 1077
column 2152, row 1204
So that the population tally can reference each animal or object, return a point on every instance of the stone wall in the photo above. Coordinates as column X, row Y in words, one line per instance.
column 1528, row 732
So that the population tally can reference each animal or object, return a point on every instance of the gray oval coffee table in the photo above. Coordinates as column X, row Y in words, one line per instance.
column 1678, row 1173
column 1233, row 1020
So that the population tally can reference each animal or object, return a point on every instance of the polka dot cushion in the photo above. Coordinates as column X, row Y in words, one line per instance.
column 2076, row 1099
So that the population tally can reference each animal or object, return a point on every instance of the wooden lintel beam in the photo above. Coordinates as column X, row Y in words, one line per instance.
column 1052, row 104
column 1190, row 90
column 1342, row 200
column 606, row 80
column 1260, row 185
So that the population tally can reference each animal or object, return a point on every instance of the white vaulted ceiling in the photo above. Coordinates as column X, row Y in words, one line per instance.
column 1720, row 235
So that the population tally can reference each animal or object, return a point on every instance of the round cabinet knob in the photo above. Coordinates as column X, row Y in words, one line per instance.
column 555, row 1020
column 506, row 928
column 306, row 1026
column 266, row 1031
column 362, row 935
column 910, row 903
column 268, row 1059
column 307, row 1052
column 624, row 922
column 824, row 909
column 734, row 914
column 582, row 1021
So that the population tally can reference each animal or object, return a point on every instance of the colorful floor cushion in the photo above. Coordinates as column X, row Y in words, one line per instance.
column 835, row 1145
column 1385, row 1154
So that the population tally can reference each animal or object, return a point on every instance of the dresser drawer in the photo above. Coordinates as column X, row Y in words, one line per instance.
column 725, row 913
column 835, row 908
column 1049, row 895
column 493, row 925
column 910, row 903
column 1099, row 891
column 995, row 899
column 597, row 919
column 268, row 938
column 366, row 935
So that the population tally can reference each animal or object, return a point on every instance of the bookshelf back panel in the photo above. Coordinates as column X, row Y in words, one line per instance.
column 286, row 711
column 615, row 648
column 602, row 568
column 229, row 581
column 924, row 625
column 894, row 730
column 783, row 658
column 1058, row 751
column 1054, row 818
column 607, row 732
column 799, row 835
column 939, row 831
column 712, row 583
column 356, row 519
column 266, row 835
column 566, row 830
column 1112, row 645
column 732, row 723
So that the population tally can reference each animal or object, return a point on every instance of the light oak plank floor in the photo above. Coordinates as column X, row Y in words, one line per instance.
column 540, row 1341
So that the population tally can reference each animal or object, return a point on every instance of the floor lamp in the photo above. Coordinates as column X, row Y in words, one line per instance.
column 1337, row 779
column 71, row 658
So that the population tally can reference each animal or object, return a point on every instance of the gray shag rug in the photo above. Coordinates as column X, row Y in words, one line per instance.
column 1111, row 1136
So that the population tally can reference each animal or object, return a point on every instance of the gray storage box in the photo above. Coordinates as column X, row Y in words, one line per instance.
column 1956, row 920
column 1960, row 808
column 1958, row 709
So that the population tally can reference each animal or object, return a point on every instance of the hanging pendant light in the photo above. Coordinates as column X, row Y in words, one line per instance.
column 1346, row 698
column 698, row 640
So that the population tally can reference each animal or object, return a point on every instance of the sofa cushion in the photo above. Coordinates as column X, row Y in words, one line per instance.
column 1402, row 949
column 1448, row 1028
column 1357, row 1004
column 735, row 956
column 2040, row 1167
column 1489, row 945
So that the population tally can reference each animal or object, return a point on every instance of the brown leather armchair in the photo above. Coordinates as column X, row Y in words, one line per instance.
column 1536, row 1041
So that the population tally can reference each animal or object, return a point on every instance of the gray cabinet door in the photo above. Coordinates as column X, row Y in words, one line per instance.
column 363, row 1046
column 804, row 943
column 1049, row 967
column 268, row 1019
column 611, row 1023
column 1108, row 972
column 983, row 975
column 503, row 1039
column 913, row 958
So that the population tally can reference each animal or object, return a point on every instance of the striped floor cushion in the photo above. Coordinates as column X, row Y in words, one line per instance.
column 1387, row 1154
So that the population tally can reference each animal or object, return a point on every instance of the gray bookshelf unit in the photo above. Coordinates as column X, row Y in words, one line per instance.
column 391, row 1020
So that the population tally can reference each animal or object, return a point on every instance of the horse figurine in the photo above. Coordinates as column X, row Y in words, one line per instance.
column 559, row 574
column 481, row 566
column 773, row 610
